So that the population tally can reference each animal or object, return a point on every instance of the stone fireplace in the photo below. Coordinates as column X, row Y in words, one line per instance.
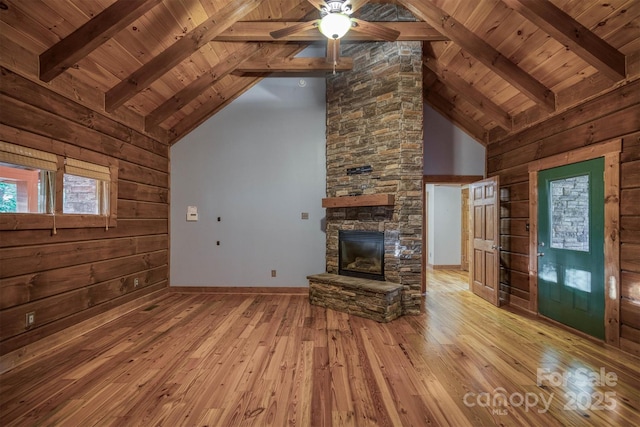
column 374, row 148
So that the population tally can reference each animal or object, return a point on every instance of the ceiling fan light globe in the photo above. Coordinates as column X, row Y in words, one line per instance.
column 335, row 25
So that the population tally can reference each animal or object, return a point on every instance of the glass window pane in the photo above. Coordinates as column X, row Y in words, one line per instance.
column 578, row 279
column 549, row 273
column 81, row 195
column 570, row 213
column 22, row 189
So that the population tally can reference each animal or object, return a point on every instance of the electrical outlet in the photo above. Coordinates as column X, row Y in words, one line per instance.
column 273, row 273
column 136, row 282
column 30, row 319
column 305, row 215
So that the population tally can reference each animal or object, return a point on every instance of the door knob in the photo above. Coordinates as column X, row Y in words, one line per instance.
column 496, row 247
column 540, row 253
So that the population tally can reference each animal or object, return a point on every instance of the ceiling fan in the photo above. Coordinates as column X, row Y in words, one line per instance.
column 335, row 21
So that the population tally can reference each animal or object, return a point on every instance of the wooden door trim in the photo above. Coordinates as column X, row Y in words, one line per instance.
column 425, row 242
column 611, row 153
column 451, row 179
column 425, row 237
column 577, row 155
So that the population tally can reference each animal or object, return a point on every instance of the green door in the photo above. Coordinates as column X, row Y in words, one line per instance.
column 571, row 245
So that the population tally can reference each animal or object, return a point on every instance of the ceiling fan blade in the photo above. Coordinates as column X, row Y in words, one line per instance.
column 296, row 28
column 375, row 30
column 333, row 51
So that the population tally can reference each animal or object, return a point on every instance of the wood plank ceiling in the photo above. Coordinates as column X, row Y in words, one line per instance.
column 491, row 66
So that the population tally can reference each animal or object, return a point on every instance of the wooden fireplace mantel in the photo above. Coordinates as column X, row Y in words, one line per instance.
column 357, row 201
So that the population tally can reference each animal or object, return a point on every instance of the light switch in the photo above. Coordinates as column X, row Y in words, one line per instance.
column 192, row 213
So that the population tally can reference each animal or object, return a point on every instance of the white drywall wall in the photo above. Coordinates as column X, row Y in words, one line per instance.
column 447, row 225
column 448, row 150
column 431, row 242
column 258, row 165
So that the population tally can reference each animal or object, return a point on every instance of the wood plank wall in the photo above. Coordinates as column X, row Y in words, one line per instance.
column 613, row 115
column 78, row 273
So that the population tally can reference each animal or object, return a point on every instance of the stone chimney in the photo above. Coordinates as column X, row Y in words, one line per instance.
column 374, row 118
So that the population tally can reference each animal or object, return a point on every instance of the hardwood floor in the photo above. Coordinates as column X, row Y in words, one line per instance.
column 259, row 360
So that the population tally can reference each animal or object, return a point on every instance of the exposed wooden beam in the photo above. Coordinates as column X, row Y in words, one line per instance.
column 224, row 95
column 597, row 85
column 316, row 3
column 580, row 40
column 202, row 83
column 482, row 51
column 469, row 93
column 177, row 52
column 198, row 86
column 374, row 30
column 293, row 65
column 25, row 63
column 428, row 80
column 357, row 4
column 260, row 31
column 71, row 49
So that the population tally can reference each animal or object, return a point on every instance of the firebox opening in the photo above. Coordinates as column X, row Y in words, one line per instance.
column 361, row 254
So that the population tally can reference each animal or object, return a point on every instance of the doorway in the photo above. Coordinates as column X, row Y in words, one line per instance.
column 610, row 153
column 570, row 245
column 443, row 258
column 444, row 226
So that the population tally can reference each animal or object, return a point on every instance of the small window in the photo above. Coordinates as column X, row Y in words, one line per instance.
column 85, row 188
column 26, row 179
column 40, row 190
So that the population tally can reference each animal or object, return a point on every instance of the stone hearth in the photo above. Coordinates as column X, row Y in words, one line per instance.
column 374, row 118
column 372, row 299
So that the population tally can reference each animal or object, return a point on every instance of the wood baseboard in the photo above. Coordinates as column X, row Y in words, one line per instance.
column 240, row 290
column 31, row 351
column 446, row 267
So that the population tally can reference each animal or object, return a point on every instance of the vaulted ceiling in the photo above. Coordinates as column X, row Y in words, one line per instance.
column 493, row 67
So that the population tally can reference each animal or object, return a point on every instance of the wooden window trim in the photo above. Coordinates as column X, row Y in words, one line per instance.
column 42, row 221
column 611, row 153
